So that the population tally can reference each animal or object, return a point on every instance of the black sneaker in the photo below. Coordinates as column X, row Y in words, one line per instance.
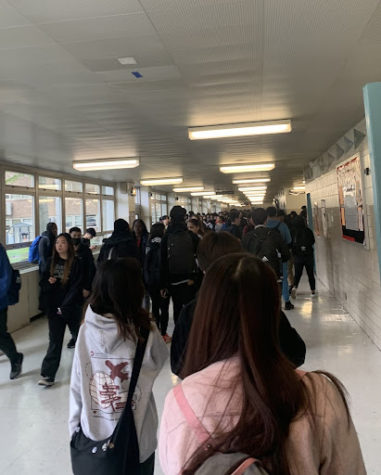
column 289, row 306
column 46, row 381
column 71, row 343
column 16, row 367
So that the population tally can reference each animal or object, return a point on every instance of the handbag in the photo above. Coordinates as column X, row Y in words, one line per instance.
column 119, row 453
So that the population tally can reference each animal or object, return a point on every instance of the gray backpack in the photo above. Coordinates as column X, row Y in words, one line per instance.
column 231, row 464
column 217, row 464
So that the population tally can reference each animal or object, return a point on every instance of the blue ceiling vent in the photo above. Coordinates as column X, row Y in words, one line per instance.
column 137, row 74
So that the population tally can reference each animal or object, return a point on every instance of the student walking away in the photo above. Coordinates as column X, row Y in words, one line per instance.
column 104, row 360
column 90, row 234
column 211, row 248
column 235, row 223
column 303, row 251
column 160, row 305
column 86, row 263
column 274, row 222
column 266, row 243
column 62, row 285
column 120, row 244
column 178, row 268
column 245, row 398
column 46, row 245
column 8, row 286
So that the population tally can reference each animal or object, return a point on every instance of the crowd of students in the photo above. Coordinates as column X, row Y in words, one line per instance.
column 240, row 401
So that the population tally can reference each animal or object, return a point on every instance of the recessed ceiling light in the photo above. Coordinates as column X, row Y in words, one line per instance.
column 188, row 189
column 252, row 188
column 105, row 164
column 161, row 181
column 251, row 180
column 127, row 60
column 255, row 167
column 203, row 193
column 237, row 130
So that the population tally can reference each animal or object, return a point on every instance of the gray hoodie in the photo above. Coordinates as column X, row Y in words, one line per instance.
column 101, row 372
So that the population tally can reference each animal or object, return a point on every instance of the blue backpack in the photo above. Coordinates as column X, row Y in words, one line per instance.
column 34, row 255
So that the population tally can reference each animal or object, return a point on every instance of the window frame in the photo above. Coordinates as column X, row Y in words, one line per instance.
column 36, row 192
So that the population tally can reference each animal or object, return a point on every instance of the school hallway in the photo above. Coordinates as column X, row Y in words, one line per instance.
column 34, row 435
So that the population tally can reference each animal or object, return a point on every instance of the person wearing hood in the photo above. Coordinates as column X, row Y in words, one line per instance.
column 160, row 305
column 104, row 357
column 120, row 244
column 46, row 244
column 179, row 275
column 45, row 251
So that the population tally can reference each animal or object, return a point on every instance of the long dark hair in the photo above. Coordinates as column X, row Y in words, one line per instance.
column 237, row 314
column 68, row 262
column 143, row 225
column 118, row 290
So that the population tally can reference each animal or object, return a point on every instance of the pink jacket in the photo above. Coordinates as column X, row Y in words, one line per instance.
column 331, row 449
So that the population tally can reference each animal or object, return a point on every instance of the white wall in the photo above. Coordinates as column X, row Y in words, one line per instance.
column 348, row 270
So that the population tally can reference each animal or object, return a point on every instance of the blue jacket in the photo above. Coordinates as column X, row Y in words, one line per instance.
column 5, row 277
column 282, row 228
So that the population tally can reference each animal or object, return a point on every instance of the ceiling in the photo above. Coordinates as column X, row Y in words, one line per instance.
column 64, row 96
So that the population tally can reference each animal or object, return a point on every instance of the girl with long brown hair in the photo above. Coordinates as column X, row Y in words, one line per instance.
column 248, row 397
column 61, row 284
column 104, row 360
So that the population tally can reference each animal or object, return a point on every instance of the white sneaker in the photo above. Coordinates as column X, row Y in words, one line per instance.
column 313, row 294
column 45, row 381
column 293, row 293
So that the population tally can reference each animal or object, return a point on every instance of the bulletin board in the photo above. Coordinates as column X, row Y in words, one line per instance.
column 351, row 200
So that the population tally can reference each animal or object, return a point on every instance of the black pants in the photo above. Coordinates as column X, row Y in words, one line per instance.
column 7, row 345
column 160, row 310
column 57, row 327
column 308, row 263
column 148, row 467
column 181, row 295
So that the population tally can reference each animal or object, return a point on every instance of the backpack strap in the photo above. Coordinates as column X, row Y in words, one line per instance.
column 244, row 465
column 189, row 414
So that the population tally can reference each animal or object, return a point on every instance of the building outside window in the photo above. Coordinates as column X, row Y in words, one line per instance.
column 50, row 211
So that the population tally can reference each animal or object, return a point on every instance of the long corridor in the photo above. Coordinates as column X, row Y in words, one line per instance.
column 34, row 436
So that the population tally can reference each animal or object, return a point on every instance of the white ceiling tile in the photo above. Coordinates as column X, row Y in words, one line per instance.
column 126, row 27
column 44, row 11
column 22, row 37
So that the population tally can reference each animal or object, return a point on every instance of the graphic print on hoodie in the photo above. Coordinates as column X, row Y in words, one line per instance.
column 108, row 386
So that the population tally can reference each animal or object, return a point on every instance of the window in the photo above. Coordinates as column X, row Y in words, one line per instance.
column 73, row 213
column 50, row 211
column 19, row 219
column 92, row 188
column 108, row 214
column 75, row 186
column 48, row 183
column 108, row 190
column 19, row 179
column 93, row 215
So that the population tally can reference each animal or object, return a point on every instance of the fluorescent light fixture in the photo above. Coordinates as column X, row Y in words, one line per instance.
column 127, row 60
column 254, row 167
column 105, row 164
column 188, row 189
column 252, row 188
column 238, row 130
column 203, row 193
column 255, row 196
column 299, row 188
column 161, row 181
column 251, row 180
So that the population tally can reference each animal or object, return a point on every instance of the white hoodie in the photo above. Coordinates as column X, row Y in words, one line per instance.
column 100, row 379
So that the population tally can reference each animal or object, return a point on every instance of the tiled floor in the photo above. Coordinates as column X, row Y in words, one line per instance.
column 34, row 436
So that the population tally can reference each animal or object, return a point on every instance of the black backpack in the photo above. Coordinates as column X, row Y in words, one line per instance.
column 262, row 242
column 181, row 253
column 14, row 288
column 152, row 265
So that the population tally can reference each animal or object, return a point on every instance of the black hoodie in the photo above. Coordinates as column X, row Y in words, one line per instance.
column 120, row 244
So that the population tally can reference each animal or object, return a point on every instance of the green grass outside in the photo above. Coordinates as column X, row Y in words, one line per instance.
column 18, row 255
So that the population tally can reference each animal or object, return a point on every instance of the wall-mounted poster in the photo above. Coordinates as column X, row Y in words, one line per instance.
column 351, row 200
